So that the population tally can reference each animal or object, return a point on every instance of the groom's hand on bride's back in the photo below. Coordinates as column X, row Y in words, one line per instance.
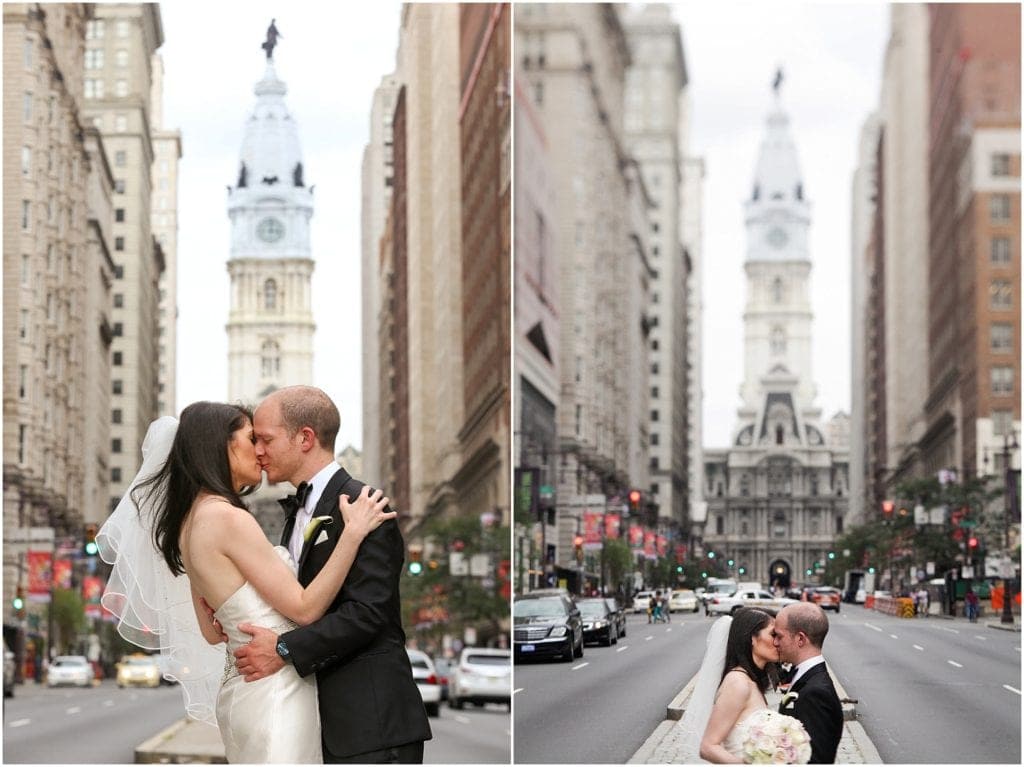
column 258, row 658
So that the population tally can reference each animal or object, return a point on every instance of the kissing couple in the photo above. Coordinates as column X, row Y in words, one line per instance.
column 728, row 721
column 315, row 668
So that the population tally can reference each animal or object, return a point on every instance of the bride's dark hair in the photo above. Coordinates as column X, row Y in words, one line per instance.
column 739, row 651
column 198, row 461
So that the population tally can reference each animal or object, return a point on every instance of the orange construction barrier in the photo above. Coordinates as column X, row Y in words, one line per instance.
column 869, row 601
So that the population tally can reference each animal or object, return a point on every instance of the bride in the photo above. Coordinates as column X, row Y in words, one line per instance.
column 181, row 536
column 728, row 699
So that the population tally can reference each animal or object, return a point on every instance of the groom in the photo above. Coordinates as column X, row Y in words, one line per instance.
column 371, row 711
column 800, row 631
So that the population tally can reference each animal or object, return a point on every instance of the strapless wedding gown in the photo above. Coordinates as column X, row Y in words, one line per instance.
column 275, row 719
column 738, row 734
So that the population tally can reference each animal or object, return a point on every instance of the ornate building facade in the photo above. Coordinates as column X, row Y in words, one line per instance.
column 270, row 326
column 778, row 496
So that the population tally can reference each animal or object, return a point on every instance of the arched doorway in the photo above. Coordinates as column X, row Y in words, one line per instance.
column 779, row 574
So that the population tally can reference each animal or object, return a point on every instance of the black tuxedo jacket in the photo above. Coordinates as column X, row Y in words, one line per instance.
column 819, row 709
column 368, row 699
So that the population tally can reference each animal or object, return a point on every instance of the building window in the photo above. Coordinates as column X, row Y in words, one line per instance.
column 115, row 475
column 115, row 445
column 120, row 158
column 1001, row 294
column 779, row 531
column 21, row 443
column 115, row 415
column 118, row 272
column 270, row 295
column 1002, row 337
column 999, row 208
column 118, row 358
column 120, row 123
column 26, row 215
column 122, row 28
column 22, row 381
column 1000, row 164
column 1002, row 422
column 654, row 392
column 94, row 30
column 270, row 359
column 23, row 326
column 28, row 53
column 119, row 215
column 1001, row 250
column 121, row 90
column 26, row 161
column 116, row 386
column 119, row 243
column 778, row 341
column 1002, row 381
column 118, row 329
column 777, row 292
column 719, row 525
column 121, row 58
column 94, row 58
column 655, row 439
column 93, row 88
column 118, row 300
column 27, row 106
column 654, row 415
column 119, row 186
column 579, row 420
column 26, row 268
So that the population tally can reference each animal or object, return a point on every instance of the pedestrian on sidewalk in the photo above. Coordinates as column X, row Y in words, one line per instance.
column 922, row 601
column 971, row 601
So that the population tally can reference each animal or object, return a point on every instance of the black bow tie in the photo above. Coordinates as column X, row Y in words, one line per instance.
column 292, row 503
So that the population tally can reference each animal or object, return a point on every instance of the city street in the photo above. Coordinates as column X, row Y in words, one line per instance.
column 103, row 725
column 928, row 690
column 97, row 725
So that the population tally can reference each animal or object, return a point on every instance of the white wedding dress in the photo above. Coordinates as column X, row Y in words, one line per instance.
column 275, row 719
column 739, row 732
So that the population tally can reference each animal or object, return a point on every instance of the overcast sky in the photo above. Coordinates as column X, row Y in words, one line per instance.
column 832, row 58
column 331, row 59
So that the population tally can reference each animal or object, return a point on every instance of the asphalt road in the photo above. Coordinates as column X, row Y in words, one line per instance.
column 96, row 725
column 599, row 709
column 470, row 736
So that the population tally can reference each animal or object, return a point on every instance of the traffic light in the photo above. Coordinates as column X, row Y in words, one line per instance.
column 831, row 555
column 18, row 603
column 887, row 508
column 679, row 569
column 89, row 547
column 415, row 565
column 732, row 562
column 972, row 542
column 743, row 570
column 711, row 555
column 634, row 500
column 578, row 545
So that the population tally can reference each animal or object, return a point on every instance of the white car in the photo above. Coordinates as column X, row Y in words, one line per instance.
column 642, row 601
column 683, row 600
column 726, row 605
column 69, row 669
column 483, row 675
column 425, row 676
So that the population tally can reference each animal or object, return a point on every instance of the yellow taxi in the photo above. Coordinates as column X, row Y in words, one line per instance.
column 138, row 671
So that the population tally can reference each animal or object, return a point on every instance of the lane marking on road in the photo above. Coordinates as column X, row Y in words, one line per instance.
column 951, row 631
column 873, row 628
column 518, row 689
column 894, row 636
column 19, row 723
column 1012, row 689
column 108, row 703
column 954, row 663
column 74, row 710
column 983, row 639
column 648, row 639
column 461, row 719
column 624, row 647
column 668, row 631
column 584, row 663
column 918, row 647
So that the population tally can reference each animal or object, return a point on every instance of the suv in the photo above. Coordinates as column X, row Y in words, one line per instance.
column 483, row 675
column 546, row 625
column 425, row 676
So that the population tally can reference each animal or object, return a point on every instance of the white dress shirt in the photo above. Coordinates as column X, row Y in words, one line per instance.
column 806, row 666
column 303, row 515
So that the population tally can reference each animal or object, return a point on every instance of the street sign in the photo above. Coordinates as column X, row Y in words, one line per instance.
column 970, row 523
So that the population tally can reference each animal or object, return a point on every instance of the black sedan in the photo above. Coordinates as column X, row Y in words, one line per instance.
column 546, row 626
column 620, row 614
column 599, row 622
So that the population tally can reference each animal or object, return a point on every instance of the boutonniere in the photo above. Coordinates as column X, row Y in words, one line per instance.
column 313, row 524
column 789, row 700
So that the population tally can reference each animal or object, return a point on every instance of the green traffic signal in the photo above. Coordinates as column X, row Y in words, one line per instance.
column 18, row 603
column 679, row 568
column 732, row 562
column 743, row 571
column 415, row 568
column 831, row 555
column 91, row 548
column 711, row 555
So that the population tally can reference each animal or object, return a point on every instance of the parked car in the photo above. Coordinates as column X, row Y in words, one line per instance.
column 620, row 614
column 546, row 625
column 726, row 605
column 444, row 667
column 826, row 596
column 138, row 671
column 642, row 601
column 717, row 587
column 69, row 669
column 683, row 600
column 425, row 676
column 483, row 675
column 599, row 622
column 9, row 673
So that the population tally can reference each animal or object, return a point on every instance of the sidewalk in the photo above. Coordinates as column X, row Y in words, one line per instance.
column 184, row 742
column 664, row 745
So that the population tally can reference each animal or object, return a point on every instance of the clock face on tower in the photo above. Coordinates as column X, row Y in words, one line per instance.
column 777, row 237
column 270, row 229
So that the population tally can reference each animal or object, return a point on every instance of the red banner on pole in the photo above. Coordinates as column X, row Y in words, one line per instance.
column 662, row 545
column 92, row 590
column 591, row 530
column 680, row 553
column 40, row 575
column 612, row 524
column 62, row 573
column 636, row 536
column 650, row 541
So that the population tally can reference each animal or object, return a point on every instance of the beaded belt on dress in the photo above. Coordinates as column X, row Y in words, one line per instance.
column 231, row 669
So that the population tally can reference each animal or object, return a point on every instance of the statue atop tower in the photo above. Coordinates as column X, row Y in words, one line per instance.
column 271, row 42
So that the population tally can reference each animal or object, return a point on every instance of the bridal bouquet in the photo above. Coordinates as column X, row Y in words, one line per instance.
column 775, row 738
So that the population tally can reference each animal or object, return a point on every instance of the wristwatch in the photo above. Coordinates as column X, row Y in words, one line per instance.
column 282, row 650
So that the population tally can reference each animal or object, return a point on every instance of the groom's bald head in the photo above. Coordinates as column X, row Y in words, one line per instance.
column 307, row 407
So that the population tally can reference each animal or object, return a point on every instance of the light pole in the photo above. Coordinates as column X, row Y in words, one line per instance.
column 1009, row 443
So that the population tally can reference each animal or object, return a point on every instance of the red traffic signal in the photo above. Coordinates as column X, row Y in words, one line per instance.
column 887, row 508
column 578, row 541
column 972, row 542
column 634, row 499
